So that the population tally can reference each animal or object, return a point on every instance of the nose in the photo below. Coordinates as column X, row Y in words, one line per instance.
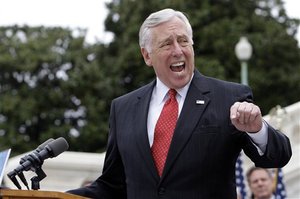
column 177, row 51
column 260, row 182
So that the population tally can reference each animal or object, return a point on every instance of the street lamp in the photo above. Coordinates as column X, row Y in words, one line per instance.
column 243, row 51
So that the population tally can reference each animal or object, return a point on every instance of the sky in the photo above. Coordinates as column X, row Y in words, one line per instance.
column 87, row 14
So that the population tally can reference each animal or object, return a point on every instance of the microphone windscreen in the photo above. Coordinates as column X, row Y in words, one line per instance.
column 42, row 146
column 58, row 146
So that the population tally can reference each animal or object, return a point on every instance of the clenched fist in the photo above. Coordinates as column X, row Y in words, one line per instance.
column 246, row 117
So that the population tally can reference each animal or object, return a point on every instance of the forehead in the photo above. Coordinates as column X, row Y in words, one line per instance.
column 175, row 26
column 259, row 174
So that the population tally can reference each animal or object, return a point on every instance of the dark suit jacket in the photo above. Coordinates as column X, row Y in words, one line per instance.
column 202, row 155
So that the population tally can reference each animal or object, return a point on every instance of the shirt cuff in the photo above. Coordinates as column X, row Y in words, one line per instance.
column 260, row 139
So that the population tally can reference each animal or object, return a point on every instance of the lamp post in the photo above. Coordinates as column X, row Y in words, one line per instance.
column 243, row 51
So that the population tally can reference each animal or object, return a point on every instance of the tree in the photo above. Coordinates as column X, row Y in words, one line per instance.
column 44, row 77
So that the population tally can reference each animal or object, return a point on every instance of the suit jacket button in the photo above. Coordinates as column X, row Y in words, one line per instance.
column 161, row 191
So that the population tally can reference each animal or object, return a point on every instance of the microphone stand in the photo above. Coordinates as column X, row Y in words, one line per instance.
column 35, row 181
column 36, row 167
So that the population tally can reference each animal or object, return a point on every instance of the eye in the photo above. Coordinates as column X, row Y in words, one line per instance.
column 166, row 45
column 183, row 41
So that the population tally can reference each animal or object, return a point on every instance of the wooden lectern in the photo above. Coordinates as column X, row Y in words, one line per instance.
column 21, row 194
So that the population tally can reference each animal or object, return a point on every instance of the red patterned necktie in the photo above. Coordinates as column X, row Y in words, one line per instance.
column 164, row 130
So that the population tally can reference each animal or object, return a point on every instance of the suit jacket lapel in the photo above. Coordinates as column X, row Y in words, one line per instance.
column 140, row 115
column 189, row 117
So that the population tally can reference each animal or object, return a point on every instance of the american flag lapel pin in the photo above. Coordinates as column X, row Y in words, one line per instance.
column 200, row 102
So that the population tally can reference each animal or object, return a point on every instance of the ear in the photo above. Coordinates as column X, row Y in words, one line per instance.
column 146, row 56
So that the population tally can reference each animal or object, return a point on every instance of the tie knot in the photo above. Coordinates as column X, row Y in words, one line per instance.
column 172, row 93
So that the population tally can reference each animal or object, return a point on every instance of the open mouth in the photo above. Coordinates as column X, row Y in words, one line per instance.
column 177, row 67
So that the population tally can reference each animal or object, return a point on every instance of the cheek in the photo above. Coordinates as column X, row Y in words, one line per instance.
column 161, row 59
column 189, row 52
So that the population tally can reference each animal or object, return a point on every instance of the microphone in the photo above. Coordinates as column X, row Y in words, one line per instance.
column 51, row 150
column 33, row 161
column 37, row 150
column 26, row 157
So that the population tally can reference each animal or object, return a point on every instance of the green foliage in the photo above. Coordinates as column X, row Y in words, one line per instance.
column 52, row 84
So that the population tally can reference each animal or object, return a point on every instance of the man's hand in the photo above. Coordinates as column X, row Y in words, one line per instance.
column 246, row 117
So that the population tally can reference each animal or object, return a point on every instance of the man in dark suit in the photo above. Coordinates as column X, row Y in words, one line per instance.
column 192, row 155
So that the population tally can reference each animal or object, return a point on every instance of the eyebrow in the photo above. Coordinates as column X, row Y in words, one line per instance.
column 164, row 40
column 170, row 38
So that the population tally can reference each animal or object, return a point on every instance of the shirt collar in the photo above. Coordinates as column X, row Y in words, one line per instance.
column 162, row 89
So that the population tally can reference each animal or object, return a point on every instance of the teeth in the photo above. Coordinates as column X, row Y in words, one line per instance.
column 178, row 64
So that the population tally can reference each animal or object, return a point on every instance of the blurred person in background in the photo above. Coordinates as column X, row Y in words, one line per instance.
column 261, row 183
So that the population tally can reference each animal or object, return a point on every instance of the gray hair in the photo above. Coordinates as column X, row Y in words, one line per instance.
column 158, row 18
